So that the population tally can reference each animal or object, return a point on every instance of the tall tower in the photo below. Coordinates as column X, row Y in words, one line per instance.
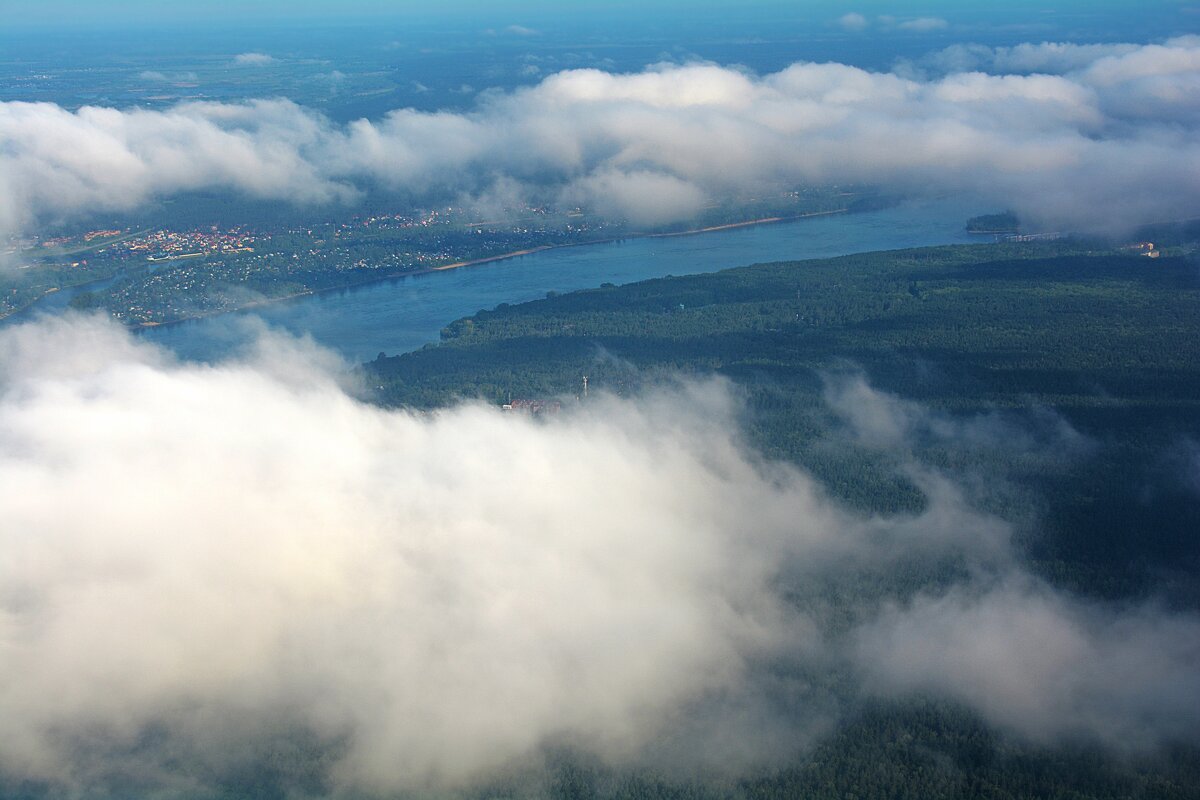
column 585, row 385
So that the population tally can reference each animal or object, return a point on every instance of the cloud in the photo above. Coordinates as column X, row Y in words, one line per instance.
column 924, row 25
column 652, row 198
column 333, row 79
column 513, row 30
column 209, row 565
column 1043, row 665
column 1051, row 58
column 1104, row 146
column 253, row 59
column 58, row 162
column 151, row 76
column 853, row 21
column 1031, row 660
column 250, row 551
column 884, row 421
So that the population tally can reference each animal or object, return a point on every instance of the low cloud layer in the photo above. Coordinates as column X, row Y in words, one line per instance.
column 1105, row 139
column 853, row 21
column 856, row 22
column 923, row 25
column 884, row 422
column 1043, row 665
column 1048, row 58
column 203, row 564
column 253, row 59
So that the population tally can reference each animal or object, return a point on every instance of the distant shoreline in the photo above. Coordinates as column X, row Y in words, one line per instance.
column 746, row 224
column 478, row 261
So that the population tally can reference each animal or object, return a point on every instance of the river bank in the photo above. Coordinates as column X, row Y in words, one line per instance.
column 395, row 316
column 266, row 301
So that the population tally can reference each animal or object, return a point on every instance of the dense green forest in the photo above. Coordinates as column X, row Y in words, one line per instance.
column 1090, row 355
column 1110, row 342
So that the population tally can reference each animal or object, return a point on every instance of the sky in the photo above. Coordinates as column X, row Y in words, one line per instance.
column 138, row 12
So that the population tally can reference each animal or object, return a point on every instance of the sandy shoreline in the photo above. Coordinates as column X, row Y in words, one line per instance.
column 746, row 224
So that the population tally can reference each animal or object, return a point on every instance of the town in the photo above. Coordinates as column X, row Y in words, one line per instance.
column 167, row 273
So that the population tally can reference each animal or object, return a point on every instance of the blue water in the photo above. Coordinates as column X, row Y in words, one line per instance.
column 403, row 314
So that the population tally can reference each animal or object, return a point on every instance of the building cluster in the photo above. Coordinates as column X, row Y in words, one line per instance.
column 175, row 244
column 419, row 219
column 68, row 241
column 532, row 407
column 1146, row 249
column 101, row 234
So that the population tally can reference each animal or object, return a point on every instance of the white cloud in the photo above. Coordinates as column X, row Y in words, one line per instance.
column 1108, row 143
column 253, row 59
column 99, row 158
column 924, row 25
column 249, row 551
column 650, row 197
column 1042, row 665
column 241, row 556
column 1053, row 58
column 886, row 422
column 853, row 21
column 152, row 76
column 1034, row 661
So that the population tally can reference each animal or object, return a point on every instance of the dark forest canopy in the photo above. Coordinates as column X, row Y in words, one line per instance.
column 1104, row 344
column 1004, row 222
column 1108, row 340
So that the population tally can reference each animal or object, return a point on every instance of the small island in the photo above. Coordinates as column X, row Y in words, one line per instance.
column 1004, row 222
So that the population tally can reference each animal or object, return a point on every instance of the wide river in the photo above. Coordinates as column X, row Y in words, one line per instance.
column 399, row 315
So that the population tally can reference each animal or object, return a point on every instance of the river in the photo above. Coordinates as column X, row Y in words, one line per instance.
column 402, row 314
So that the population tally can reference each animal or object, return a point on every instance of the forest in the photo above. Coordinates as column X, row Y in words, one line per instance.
column 1091, row 351
column 1111, row 342
column 1004, row 222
